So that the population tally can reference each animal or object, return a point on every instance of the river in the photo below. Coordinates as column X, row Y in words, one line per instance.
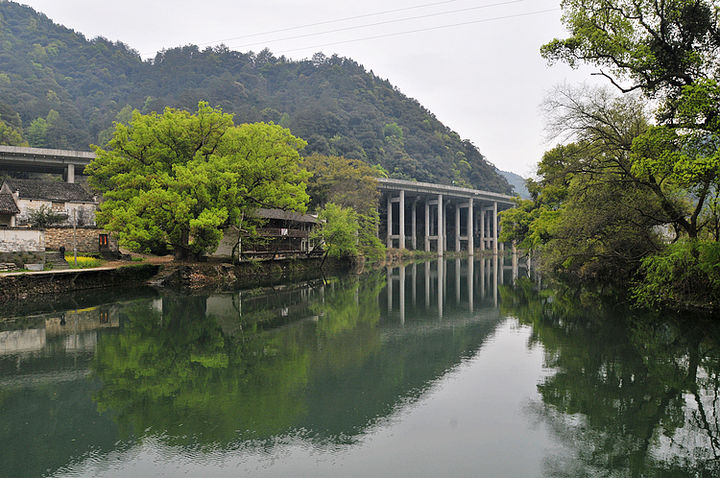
column 446, row 368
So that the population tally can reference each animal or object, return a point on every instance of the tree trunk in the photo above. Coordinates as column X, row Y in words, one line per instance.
column 182, row 251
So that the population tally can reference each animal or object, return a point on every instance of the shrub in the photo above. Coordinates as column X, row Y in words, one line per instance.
column 83, row 262
column 684, row 276
column 44, row 216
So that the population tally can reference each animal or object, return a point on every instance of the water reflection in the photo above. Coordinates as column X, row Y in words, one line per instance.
column 95, row 382
column 467, row 282
column 325, row 361
column 634, row 395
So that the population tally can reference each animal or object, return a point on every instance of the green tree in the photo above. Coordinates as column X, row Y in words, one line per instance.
column 685, row 275
column 658, row 46
column 348, row 183
column 37, row 133
column 11, row 130
column 670, row 52
column 591, row 217
column 11, row 136
column 337, row 232
column 179, row 178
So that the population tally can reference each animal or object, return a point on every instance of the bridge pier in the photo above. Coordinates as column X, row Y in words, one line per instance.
column 450, row 214
column 70, row 173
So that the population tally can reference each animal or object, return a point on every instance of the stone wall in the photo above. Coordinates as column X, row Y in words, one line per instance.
column 87, row 239
column 22, row 240
column 22, row 258
column 219, row 276
column 14, row 287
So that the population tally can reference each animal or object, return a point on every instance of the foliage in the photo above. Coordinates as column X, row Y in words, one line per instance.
column 633, row 393
column 348, row 183
column 345, row 182
column 180, row 178
column 11, row 130
column 670, row 52
column 368, row 242
column 685, row 275
column 670, row 170
column 659, row 47
column 337, row 231
column 590, row 217
column 340, row 108
column 10, row 135
column 44, row 216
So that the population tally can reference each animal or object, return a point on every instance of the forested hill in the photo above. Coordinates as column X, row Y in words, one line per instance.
column 60, row 90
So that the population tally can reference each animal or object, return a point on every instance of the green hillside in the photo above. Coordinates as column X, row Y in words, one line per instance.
column 61, row 90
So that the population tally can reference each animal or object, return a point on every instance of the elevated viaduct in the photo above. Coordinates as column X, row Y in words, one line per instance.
column 414, row 215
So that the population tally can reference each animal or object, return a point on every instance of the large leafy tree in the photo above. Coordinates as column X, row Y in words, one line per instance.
column 590, row 215
column 338, row 231
column 657, row 46
column 633, row 175
column 179, row 178
column 670, row 51
column 347, row 184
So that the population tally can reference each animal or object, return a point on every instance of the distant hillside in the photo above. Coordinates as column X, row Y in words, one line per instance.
column 58, row 89
column 517, row 182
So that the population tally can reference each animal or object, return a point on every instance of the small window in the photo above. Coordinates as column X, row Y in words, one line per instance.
column 58, row 206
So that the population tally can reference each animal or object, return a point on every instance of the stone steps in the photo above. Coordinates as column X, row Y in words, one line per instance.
column 56, row 260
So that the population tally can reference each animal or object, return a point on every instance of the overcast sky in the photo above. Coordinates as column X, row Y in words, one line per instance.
column 474, row 63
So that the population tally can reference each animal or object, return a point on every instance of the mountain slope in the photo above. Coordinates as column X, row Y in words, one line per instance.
column 68, row 90
column 517, row 182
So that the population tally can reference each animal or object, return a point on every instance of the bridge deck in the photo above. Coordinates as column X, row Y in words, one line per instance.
column 43, row 160
column 430, row 189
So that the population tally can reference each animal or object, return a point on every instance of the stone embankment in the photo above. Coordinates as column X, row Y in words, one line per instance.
column 22, row 285
column 217, row 276
column 184, row 276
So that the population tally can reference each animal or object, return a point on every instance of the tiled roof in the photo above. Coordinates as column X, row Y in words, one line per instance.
column 49, row 190
column 7, row 201
column 285, row 215
column 7, row 204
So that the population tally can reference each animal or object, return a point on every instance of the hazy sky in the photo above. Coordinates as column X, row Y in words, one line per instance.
column 483, row 76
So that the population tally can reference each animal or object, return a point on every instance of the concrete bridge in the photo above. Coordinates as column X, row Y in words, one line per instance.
column 436, row 217
column 41, row 160
column 414, row 215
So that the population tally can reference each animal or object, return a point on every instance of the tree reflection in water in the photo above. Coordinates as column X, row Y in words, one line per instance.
column 322, row 362
column 630, row 395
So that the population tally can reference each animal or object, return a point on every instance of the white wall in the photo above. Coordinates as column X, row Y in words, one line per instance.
column 22, row 240
column 85, row 212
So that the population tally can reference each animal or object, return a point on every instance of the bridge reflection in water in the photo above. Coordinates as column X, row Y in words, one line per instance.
column 471, row 283
column 237, row 370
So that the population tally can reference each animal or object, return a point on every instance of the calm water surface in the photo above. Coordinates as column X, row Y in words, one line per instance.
column 433, row 369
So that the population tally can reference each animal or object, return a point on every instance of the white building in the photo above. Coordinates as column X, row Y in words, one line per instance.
column 69, row 199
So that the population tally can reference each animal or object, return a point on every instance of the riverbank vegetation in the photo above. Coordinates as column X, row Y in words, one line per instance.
column 618, row 380
column 630, row 196
column 179, row 179
column 345, row 194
